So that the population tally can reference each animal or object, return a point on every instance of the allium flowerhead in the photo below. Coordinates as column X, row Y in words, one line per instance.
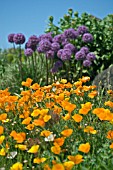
column 87, row 63
column 45, row 45
column 47, row 36
column 80, row 55
column 71, row 33
column 59, row 53
column 54, row 69
column 58, row 64
column 55, row 46
column 10, row 38
column 66, row 54
column 82, row 29
column 33, row 40
column 28, row 52
column 70, row 47
column 85, row 50
column 59, row 38
column 50, row 54
column 19, row 38
column 91, row 56
column 64, row 42
column 87, row 37
column 39, row 50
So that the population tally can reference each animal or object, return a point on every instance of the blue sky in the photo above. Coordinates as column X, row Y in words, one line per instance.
column 30, row 17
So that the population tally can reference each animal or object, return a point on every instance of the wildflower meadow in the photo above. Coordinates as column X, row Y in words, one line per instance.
column 51, row 115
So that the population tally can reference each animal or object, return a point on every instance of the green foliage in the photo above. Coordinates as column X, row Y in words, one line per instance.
column 101, row 29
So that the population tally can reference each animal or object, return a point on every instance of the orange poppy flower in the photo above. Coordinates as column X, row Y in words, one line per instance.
column 3, row 116
column 93, row 94
column 39, row 160
column 59, row 141
column 78, row 83
column 36, row 112
column 45, row 133
column 90, row 129
column 84, row 79
column 68, row 165
column 1, row 130
column 19, row 137
column 77, row 118
column 66, row 117
column 46, row 167
column 27, row 83
column 111, row 146
column 77, row 159
column 85, row 108
column 84, row 147
column 56, row 149
column 67, row 132
column 30, row 127
column 110, row 134
column 109, row 103
column 68, row 106
column 47, row 118
column 26, row 121
column 58, row 166
column 35, row 86
column 39, row 122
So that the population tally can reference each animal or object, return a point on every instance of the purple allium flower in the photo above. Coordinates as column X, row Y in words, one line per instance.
column 87, row 37
column 30, row 45
column 55, row 46
column 58, row 64
column 71, row 33
column 91, row 56
column 47, row 36
column 10, row 38
column 80, row 55
column 50, row 54
column 70, row 47
column 19, row 38
column 39, row 50
column 59, row 53
column 87, row 63
column 65, row 41
column 45, row 45
column 82, row 29
column 28, row 52
column 33, row 40
column 54, row 70
column 66, row 54
column 59, row 38
column 85, row 50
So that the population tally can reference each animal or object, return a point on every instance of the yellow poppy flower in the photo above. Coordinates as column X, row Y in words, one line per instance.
column 17, row 166
column 34, row 149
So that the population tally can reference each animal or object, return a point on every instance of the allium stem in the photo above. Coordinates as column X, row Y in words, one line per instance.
column 46, row 71
column 20, row 63
column 33, row 67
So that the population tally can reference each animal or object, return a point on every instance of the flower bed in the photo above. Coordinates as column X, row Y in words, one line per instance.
column 61, row 126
